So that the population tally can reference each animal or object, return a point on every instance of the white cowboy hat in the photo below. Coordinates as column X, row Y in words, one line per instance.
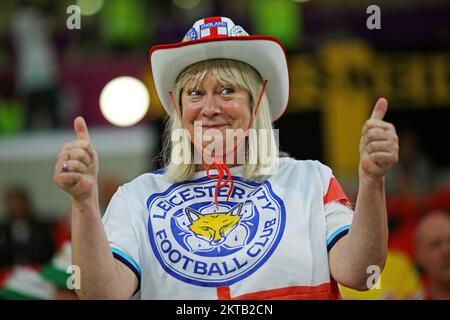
column 220, row 38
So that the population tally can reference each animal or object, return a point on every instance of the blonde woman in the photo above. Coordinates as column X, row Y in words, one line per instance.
column 227, row 218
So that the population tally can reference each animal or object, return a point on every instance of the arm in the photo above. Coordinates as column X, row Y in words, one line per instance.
column 366, row 242
column 101, row 276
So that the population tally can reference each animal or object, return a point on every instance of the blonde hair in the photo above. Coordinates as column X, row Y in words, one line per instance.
column 239, row 74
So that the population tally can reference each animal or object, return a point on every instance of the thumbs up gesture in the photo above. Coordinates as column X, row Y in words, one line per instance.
column 379, row 143
column 76, row 167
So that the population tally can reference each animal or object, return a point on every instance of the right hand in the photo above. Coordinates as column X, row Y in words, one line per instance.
column 80, row 179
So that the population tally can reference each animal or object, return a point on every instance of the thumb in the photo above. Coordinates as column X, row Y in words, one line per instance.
column 81, row 129
column 380, row 109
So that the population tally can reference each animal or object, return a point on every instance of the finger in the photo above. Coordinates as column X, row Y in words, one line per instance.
column 76, row 154
column 81, row 155
column 380, row 109
column 380, row 146
column 68, row 179
column 82, row 144
column 376, row 134
column 74, row 166
column 81, row 129
column 376, row 123
column 383, row 158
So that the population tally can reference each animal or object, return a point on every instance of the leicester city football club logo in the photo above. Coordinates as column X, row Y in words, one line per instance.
column 207, row 244
column 190, row 35
column 238, row 31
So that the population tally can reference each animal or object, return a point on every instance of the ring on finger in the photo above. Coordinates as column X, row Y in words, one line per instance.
column 65, row 167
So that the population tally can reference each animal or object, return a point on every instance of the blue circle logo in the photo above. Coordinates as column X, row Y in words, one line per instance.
column 190, row 35
column 238, row 31
column 205, row 244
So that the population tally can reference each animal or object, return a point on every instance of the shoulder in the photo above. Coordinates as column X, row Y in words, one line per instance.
column 311, row 172
column 132, row 196
column 145, row 183
column 306, row 166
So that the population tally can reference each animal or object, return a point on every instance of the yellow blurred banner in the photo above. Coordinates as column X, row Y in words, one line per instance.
column 343, row 81
column 406, row 79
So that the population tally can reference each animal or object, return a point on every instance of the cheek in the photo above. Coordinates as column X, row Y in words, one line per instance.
column 434, row 257
column 189, row 112
column 239, row 112
column 189, row 115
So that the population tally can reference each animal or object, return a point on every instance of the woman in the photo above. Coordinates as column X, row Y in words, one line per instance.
column 227, row 221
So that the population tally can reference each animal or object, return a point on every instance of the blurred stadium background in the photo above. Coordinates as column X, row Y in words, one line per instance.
column 338, row 68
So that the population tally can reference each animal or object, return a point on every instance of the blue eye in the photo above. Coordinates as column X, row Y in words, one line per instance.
column 194, row 93
column 228, row 91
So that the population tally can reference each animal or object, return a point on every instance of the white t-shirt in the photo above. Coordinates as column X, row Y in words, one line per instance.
column 269, row 240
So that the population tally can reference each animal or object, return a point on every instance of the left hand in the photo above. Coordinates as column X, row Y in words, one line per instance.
column 379, row 144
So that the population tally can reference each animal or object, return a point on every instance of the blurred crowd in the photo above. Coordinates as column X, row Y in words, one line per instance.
column 39, row 60
column 418, row 263
column 35, row 255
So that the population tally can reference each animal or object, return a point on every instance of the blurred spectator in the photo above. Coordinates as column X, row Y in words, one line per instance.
column 26, row 283
column 61, row 230
column 23, row 239
column 50, row 282
column 413, row 175
column 36, row 68
column 56, row 273
column 433, row 254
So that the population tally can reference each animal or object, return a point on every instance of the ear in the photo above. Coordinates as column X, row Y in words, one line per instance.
column 236, row 211
column 192, row 213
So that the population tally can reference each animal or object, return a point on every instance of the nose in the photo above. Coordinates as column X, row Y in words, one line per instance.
column 211, row 106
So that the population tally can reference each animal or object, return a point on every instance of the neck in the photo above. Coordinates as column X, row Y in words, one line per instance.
column 222, row 159
column 204, row 166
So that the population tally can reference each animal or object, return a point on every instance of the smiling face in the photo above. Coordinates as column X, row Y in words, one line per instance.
column 218, row 105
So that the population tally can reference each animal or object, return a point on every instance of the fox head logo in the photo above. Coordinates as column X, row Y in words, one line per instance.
column 214, row 227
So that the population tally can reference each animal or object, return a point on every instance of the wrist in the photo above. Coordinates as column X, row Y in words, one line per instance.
column 87, row 201
column 370, row 180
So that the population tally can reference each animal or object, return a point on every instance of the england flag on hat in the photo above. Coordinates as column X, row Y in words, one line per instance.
column 212, row 27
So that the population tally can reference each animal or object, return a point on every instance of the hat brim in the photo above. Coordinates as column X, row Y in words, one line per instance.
column 264, row 53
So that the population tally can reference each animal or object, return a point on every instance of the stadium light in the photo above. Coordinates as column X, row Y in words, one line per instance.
column 89, row 7
column 124, row 101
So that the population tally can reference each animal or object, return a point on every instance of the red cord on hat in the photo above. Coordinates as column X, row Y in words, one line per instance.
column 221, row 167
